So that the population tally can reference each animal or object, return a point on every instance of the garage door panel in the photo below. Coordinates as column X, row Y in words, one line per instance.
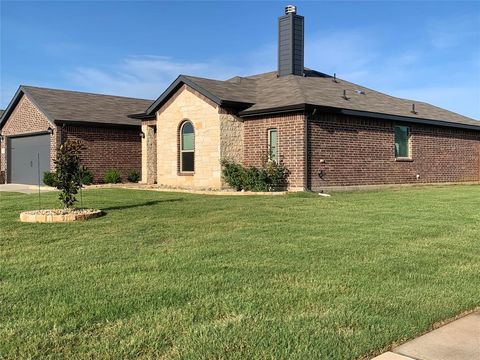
column 23, row 158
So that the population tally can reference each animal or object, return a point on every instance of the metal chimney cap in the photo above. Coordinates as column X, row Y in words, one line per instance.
column 290, row 9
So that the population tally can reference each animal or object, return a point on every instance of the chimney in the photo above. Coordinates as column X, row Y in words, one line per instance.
column 290, row 43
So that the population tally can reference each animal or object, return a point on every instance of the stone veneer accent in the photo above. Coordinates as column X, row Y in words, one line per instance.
column 360, row 151
column 27, row 118
column 231, row 138
column 149, row 153
column 187, row 104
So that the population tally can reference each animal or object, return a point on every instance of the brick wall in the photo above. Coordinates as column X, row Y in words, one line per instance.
column 360, row 151
column 25, row 119
column 291, row 145
column 108, row 148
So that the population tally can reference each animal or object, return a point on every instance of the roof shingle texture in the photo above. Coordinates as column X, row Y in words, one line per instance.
column 267, row 91
column 73, row 106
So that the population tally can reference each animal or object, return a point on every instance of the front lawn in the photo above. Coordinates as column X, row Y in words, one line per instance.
column 181, row 276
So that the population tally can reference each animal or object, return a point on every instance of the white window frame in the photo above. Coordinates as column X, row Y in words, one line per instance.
column 186, row 151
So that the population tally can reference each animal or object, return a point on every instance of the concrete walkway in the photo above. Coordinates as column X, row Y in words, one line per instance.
column 25, row 189
column 458, row 340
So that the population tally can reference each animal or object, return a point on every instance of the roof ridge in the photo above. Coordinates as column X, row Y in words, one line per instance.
column 82, row 92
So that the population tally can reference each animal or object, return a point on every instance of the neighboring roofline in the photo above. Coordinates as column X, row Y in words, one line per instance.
column 23, row 90
column 360, row 113
column 181, row 79
column 85, row 92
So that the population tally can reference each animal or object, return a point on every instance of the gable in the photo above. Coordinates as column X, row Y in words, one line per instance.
column 180, row 95
column 26, row 118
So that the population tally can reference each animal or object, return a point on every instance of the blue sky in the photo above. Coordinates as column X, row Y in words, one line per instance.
column 426, row 51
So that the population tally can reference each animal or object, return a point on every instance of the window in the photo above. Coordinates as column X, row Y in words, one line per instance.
column 273, row 145
column 402, row 142
column 187, row 147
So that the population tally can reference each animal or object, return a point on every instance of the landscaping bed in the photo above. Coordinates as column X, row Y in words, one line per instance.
column 59, row 215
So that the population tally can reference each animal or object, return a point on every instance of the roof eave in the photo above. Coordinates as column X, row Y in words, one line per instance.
column 275, row 110
column 142, row 116
column 96, row 124
column 437, row 122
column 303, row 107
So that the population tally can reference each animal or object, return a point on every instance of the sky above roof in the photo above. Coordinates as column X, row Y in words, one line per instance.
column 428, row 51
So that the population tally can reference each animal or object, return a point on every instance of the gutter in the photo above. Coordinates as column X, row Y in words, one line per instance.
column 96, row 124
column 359, row 113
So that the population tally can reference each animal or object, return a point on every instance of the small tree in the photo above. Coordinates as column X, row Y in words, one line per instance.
column 68, row 171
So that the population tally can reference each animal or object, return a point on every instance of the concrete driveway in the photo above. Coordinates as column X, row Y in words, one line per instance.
column 25, row 189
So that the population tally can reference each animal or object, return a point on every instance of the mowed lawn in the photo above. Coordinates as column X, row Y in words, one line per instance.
column 182, row 276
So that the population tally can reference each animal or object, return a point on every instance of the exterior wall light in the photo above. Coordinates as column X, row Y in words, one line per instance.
column 50, row 130
column 142, row 134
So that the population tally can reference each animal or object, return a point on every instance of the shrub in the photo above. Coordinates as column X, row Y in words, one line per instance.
column 68, row 171
column 49, row 178
column 270, row 177
column 276, row 175
column 133, row 176
column 86, row 177
column 112, row 177
column 233, row 174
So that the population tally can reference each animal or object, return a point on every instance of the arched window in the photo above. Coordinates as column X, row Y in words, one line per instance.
column 187, row 147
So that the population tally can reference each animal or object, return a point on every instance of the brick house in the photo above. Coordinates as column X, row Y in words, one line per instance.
column 38, row 120
column 325, row 130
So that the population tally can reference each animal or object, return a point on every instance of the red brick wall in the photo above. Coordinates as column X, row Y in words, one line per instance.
column 360, row 151
column 108, row 148
column 291, row 134
column 26, row 118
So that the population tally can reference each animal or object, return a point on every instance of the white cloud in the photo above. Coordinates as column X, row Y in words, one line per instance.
column 144, row 76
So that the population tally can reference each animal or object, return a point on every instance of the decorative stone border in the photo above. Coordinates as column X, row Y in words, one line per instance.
column 59, row 215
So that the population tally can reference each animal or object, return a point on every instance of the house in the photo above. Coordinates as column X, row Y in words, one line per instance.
column 38, row 120
column 325, row 130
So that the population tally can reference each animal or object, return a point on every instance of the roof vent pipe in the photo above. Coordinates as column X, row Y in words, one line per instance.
column 290, row 43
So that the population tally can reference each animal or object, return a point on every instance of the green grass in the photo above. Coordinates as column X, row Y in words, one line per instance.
column 182, row 276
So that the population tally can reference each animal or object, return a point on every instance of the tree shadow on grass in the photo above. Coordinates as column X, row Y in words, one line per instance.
column 148, row 203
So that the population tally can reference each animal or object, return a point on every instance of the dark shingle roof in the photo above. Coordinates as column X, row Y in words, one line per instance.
column 80, row 107
column 266, row 92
